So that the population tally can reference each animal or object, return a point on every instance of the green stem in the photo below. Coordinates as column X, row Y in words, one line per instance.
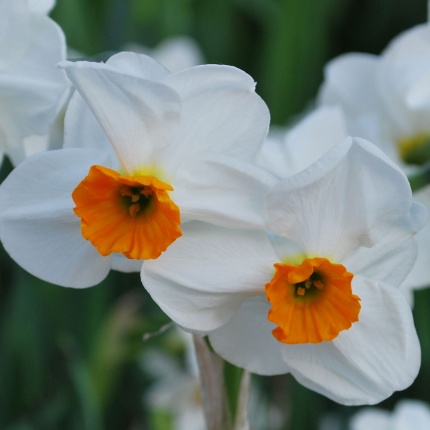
column 225, row 389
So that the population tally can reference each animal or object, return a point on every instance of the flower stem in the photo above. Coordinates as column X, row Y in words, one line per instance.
column 225, row 389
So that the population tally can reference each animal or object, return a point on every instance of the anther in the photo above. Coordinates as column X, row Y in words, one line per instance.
column 300, row 291
column 146, row 191
column 134, row 209
column 125, row 191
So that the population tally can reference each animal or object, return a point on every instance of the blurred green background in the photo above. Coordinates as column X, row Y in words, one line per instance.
column 75, row 359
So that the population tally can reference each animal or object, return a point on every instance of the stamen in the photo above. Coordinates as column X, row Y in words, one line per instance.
column 133, row 215
column 312, row 302
column 134, row 209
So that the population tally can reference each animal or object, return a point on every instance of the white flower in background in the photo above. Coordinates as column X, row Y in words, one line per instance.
column 32, row 88
column 158, row 150
column 407, row 415
column 386, row 99
column 330, row 312
column 288, row 151
column 175, row 53
column 176, row 389
column 41, row 6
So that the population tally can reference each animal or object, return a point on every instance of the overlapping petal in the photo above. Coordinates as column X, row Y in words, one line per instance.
column 204, row 277
column 327, row 213
column 138, row 116
column 221, row 111
column 367, row 363
column 222, row 190
column 287, row 153
column 246, row 340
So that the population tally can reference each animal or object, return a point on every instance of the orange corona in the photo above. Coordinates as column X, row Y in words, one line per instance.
column 132, row 215
column 312, row 302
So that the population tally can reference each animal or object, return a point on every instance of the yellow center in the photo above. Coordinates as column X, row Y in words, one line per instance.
column 415, row 150
column 311, row 302
column 132, row 215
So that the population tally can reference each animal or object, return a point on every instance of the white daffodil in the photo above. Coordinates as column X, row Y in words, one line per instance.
column 386, row 99
column 176, row 389
column 288, row 151
column 32, row 89
column 316, row 297
column 175, row 53
column 407, row 415
column 156, row 150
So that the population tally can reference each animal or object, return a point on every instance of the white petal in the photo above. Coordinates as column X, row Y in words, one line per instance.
column 41, row 6
column 350, row 83
column 178, row 53
column 14, row 30
column 353, row 196
column 305, row 143
column 30, row 102
column 378, row 355
column 403, row 81
column 37, row 225
column 223, row 191
column 390, row 260
column 126, row 265
column 371, row 418
column 137, row 115
column 246, row 340
column 203, row 277
column 82, row 130
column 138, row 65
column 220, row 112
column 411, row 414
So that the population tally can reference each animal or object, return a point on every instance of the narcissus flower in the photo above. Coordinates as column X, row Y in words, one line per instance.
column 145, row 152
column 407, row 415
column 32, row 89
column 386, row 99
column 317, row 295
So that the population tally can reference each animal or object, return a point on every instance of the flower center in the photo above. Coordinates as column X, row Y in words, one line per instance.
column 311, row 302
column 415, row 150
column 132, row 215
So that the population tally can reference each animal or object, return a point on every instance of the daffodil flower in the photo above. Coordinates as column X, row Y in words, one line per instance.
column 145, row 152
column 406, row 415
column 386, row 99
column 317, row 295
column 32, row 89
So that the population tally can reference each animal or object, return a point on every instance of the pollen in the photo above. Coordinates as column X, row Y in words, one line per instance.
column 131, row 215
column 311, row 302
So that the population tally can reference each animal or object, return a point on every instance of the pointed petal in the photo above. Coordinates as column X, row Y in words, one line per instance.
column 137, row 115
column 37, row 225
